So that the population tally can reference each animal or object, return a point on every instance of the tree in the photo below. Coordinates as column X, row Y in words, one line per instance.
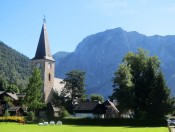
column 31, row 116
column 73, row 90
column 33, row 98
column 139, row 85
column 123, row 88
column 12, row 88
column 97, row 97
column 3, row 84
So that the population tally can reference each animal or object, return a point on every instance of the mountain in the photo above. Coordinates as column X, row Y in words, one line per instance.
column 99, row 55
column 58, row 57
column 14, row 66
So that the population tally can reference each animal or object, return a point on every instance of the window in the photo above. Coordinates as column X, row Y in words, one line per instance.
column 49, row 77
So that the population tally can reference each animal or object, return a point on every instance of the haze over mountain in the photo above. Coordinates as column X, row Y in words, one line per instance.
column 100, row 54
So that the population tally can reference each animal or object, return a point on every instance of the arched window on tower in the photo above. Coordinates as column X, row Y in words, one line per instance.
column 49, row 77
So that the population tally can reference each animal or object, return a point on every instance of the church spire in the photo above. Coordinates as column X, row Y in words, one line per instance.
column 43, row 49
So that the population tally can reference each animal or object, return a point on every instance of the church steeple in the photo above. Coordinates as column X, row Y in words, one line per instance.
column 43, row 49
column 43, row 60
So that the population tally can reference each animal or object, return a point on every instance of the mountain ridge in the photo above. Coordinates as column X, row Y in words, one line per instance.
column 15, row 67
column 100, row 54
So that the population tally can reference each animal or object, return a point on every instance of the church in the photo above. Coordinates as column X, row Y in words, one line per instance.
column 44, row 61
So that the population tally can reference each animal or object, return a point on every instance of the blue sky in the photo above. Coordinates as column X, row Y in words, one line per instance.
column 69, row 21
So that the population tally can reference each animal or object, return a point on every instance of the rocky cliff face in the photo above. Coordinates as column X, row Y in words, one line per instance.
column 100, row 54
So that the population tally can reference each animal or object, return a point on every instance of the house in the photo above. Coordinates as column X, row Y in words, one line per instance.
column 11, row 102
column 16, row 111
column 86, row 109
column 94, row 109
column 12, row 97
column 111, row 111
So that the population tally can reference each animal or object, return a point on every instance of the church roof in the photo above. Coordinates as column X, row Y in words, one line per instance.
column 43, row 49
column 58, row 84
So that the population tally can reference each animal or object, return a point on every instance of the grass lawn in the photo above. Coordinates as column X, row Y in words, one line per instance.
column 14, row 127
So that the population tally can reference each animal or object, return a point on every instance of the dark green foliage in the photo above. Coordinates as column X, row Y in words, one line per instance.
column 64, row 112
column 6, row 113
column 123, row 88
column 33, row 98
column 12, row 88
column 3, row 84
column 116, row 122
column 73, row 91
column 139, row 86
column 74, row 84
column 58, row 99
column 14, row 67
column 30, row 116
column 97, row 97
column 74, row 87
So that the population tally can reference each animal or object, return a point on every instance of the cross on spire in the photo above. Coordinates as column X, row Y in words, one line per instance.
column 44, row 20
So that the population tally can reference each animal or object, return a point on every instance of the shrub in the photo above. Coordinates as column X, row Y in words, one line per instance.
column 64, row 112
column 6, row 113
column 115, row 122
column 31, row 116
column 12, row 119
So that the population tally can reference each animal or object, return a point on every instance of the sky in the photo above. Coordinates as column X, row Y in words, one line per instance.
column 70, row 21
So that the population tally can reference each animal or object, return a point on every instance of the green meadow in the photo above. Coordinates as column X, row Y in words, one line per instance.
column 15, row 127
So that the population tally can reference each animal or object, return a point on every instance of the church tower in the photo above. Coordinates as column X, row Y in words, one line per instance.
column 43, row 60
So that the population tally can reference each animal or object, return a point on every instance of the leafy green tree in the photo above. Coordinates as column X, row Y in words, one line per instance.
column 123, row 88
column 73, row 90
column 12, row 88
column 159, row 98
column 97, row 97
column 139, row 85
column 33, row 98
column 3, row 84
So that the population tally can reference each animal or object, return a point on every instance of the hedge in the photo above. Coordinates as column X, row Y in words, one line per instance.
column 12, row 119
column 116, row 122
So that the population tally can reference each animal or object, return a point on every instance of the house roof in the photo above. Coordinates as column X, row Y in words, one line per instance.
column 86, row 107
column 58, row 85
column 108, row 102
column 20, row 95
column 13, row 108
column 13, row 95
column 1, row 92
column 43, row 49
